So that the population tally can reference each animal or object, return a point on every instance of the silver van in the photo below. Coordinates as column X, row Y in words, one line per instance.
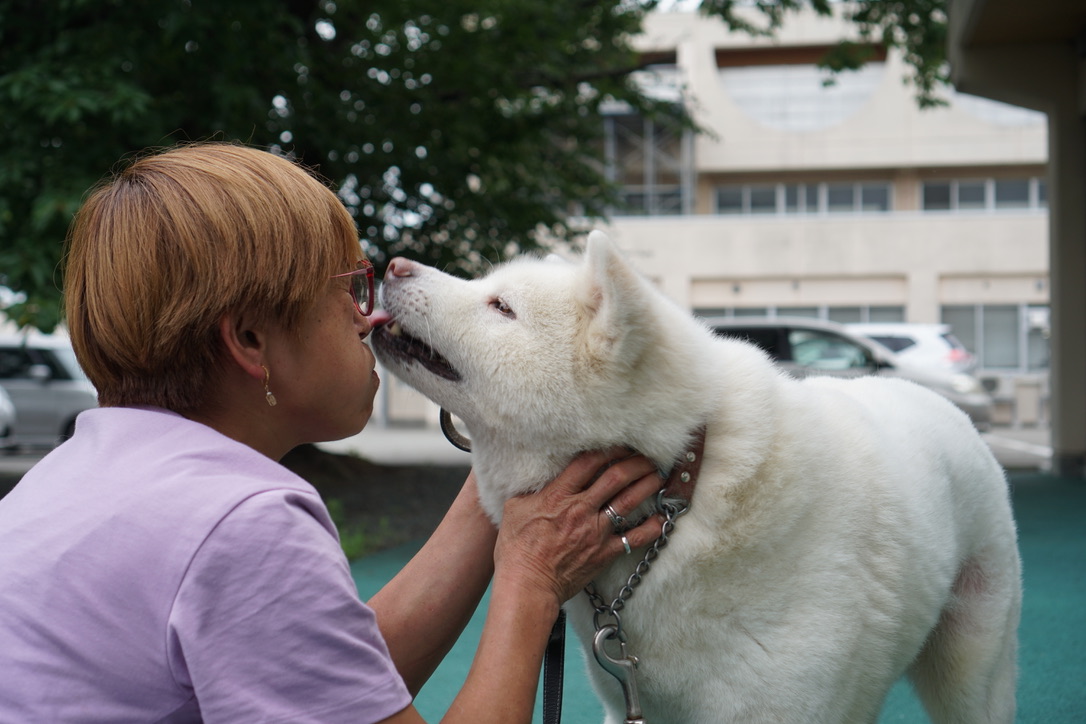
column 40, row 374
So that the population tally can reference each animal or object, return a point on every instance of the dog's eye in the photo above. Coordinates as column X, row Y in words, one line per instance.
column 502, row 307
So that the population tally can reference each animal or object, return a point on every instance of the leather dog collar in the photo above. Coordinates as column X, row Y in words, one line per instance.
column 684, row 476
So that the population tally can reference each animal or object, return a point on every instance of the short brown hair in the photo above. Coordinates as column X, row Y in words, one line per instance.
column 161, row 251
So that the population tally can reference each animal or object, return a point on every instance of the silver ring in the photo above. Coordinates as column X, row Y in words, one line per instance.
column 616, row 520
column 626, row 545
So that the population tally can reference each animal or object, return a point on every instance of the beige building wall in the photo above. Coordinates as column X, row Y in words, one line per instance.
column 919, row 261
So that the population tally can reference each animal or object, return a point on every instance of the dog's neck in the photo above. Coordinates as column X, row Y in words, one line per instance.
column 507, row 467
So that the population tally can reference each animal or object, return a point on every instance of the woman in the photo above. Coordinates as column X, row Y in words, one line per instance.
column 162, row 566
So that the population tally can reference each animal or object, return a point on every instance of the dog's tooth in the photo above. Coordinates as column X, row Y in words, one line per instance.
column 394, row 329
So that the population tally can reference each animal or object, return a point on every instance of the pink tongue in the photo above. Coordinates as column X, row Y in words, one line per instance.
column 379, row 317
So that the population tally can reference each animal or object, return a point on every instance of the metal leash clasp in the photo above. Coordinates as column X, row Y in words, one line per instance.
column 622, row 668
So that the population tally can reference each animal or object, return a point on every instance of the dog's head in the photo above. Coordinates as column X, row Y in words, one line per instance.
column 530, row 352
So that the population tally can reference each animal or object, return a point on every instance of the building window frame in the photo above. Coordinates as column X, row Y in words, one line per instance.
column 961, row 196
column 1024, row 340
column 792, row 199
column 666, row 183
column 850, row 314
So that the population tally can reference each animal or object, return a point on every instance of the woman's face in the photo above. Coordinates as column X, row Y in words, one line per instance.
column 322, row 374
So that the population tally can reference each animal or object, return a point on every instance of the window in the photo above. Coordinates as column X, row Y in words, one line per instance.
column 845, row 315
column 1012, row 194
column 874, row 197
column 936, row 196
column 1004, row 337
column 14, row 363
column 999, row 346
column 652, row 161
column 984, row 194
column 971, row 195
column 841, row 315
column 729, row 200
column 840, row 197
column 809, row 312
column 825, row 351
column 795, row 97
column 894, row 344
column 803, row 198
column 763, row 199
column 800, row 198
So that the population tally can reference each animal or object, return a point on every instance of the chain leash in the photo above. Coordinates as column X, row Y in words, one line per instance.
column 624, row 666
column 672, row 509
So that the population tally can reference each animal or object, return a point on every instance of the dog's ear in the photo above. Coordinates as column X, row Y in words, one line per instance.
column 614, row 300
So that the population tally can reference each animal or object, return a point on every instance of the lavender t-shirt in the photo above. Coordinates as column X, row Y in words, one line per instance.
column 153, row 570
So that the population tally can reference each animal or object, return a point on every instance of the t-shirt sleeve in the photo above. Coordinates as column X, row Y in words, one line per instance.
column 267, row 624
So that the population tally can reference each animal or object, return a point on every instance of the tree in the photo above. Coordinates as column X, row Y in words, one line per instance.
column 456, row 130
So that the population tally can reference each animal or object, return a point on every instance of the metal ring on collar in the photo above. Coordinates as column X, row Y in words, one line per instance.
column 626, row 545
column 617, row 520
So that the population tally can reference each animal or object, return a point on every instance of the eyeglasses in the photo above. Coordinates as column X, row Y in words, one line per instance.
column 361, row 287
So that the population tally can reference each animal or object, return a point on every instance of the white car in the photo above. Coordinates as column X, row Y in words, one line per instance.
column 40, row 374
column 932, row 345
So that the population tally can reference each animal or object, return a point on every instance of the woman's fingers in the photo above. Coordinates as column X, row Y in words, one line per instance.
column 586, row 468
column 563, row 536
column 641, row 535
column 601, row 474
column 629, row 498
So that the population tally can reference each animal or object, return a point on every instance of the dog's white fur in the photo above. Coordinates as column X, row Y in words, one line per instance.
column 843, row 533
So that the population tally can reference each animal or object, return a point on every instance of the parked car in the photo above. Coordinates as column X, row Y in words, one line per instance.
column 926, row 344
column 48, row 388
column 805, row 347
column 7, row 417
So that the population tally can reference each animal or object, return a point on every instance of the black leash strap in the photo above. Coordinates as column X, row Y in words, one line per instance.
column 553, row 662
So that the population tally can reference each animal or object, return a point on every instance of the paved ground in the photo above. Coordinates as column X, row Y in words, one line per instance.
column 1023, row 448
column 1016, row 449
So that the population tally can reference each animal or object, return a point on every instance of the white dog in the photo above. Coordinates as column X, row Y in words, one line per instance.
column 842, row 534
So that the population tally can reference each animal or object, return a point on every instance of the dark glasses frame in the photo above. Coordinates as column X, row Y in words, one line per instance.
column 361, row 287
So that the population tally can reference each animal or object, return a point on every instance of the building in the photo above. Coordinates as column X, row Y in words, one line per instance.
column 845, row 202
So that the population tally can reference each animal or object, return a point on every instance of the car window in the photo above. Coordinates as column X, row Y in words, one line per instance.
column 15, row 363
column 896, row 344
column 825, row 351
column 765, row 337
column 952, row 340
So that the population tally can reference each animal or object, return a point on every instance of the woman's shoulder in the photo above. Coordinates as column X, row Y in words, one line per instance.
column 139, row 464
column 163, row 445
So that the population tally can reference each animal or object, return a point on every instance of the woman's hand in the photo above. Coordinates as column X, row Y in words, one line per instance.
column 558, row 539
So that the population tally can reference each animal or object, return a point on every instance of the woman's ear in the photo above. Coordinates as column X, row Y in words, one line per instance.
column 244, row 343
